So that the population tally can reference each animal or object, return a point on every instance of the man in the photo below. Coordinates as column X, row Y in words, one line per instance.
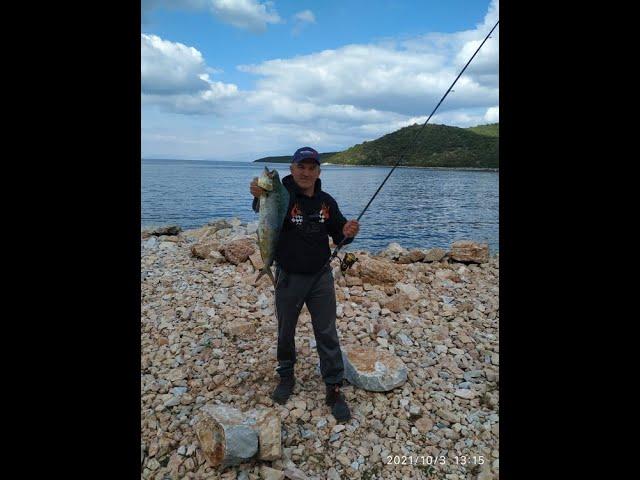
column 302, row 250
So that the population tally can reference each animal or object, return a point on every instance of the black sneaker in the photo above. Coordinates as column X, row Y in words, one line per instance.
column 283, row 391
column 335, row 399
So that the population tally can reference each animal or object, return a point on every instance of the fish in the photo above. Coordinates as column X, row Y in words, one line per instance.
column 272, row 212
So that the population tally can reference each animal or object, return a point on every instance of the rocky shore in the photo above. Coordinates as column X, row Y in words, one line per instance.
column 209, row 342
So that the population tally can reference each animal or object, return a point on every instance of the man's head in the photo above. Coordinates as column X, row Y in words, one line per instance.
column 305, row 167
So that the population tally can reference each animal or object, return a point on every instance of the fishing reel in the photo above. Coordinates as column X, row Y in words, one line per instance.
column 347, row 261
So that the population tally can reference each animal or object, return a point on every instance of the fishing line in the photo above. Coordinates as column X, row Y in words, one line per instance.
column 339, row 246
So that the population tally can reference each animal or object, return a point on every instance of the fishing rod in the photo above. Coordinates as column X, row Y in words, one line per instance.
column 339, row 246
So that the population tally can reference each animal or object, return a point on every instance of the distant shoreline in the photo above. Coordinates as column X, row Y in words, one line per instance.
column 470, row 169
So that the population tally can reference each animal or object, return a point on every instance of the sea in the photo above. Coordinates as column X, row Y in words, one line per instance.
column 417, row 207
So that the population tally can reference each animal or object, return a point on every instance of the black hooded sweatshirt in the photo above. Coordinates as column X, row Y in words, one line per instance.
column 303, row 246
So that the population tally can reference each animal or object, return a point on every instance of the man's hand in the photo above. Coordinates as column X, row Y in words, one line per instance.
column 255, row 190
column 351, row 228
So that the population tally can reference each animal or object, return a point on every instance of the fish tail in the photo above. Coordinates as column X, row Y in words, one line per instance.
column 266, row 270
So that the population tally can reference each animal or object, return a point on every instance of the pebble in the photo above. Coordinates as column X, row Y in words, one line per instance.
column 448, row 338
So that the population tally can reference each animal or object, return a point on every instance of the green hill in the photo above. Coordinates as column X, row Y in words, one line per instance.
column 491, row 130
column 436, row 146
column 324, row 157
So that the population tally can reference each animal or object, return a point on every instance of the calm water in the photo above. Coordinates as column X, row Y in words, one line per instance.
column 417, row 207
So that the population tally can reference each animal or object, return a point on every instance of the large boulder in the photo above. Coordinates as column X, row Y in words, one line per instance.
column 469, row 251
column 376, row 271
column 227, row 434
column 225, row 439
column 239, row 250
column 373, row 369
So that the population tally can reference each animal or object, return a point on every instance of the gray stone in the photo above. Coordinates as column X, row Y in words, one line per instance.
column 471, row 374
column 373, row 369
column 332, row 474
column 465, row 393
column 151, row 243
column 268, row 473
column 405, row 339
column 294, row 473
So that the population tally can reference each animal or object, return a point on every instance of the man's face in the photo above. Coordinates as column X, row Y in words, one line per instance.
column 305, row 173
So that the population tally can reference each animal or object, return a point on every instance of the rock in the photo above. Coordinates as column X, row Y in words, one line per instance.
column 256, row 261
column 240, row 328
column 393, row 251
column 268, row 425
column 338, row 428
column 399, row 303
column 151, row 243
column 268, row 473
column 226, row 444
column 404, row 339
column 413, row 256
column 165, row 230
column 465, row 393
column 424, row 425
column 409, row 290
column 238, row 251
column 203, row 250
column 294, row 473
column 373, row 369
column 332, row 474
column 226, row 435
column 434, row 255
column 469, row 251
column 252, row 227
column 446, row 274
column 375, row 272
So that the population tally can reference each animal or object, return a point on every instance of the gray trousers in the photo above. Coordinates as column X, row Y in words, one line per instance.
column 321, row 302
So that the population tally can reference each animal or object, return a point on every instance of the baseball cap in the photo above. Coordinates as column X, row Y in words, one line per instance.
column 305, row 153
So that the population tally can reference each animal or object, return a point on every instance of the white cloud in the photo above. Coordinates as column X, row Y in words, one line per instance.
column 333, row 98
column 176, row 78
column 373, row 77
column 301, row 20
column 492, row 115
column 246, row 14
column 306, row 16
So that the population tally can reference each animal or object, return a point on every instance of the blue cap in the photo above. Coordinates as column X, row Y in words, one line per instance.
column 305, row 153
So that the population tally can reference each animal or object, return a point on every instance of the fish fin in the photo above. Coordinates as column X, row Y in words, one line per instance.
column 266, row 270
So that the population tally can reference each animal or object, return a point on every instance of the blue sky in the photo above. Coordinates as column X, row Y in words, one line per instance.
column 239, row 79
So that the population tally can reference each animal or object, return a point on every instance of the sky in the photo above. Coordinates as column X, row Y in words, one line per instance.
column 243, row 79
